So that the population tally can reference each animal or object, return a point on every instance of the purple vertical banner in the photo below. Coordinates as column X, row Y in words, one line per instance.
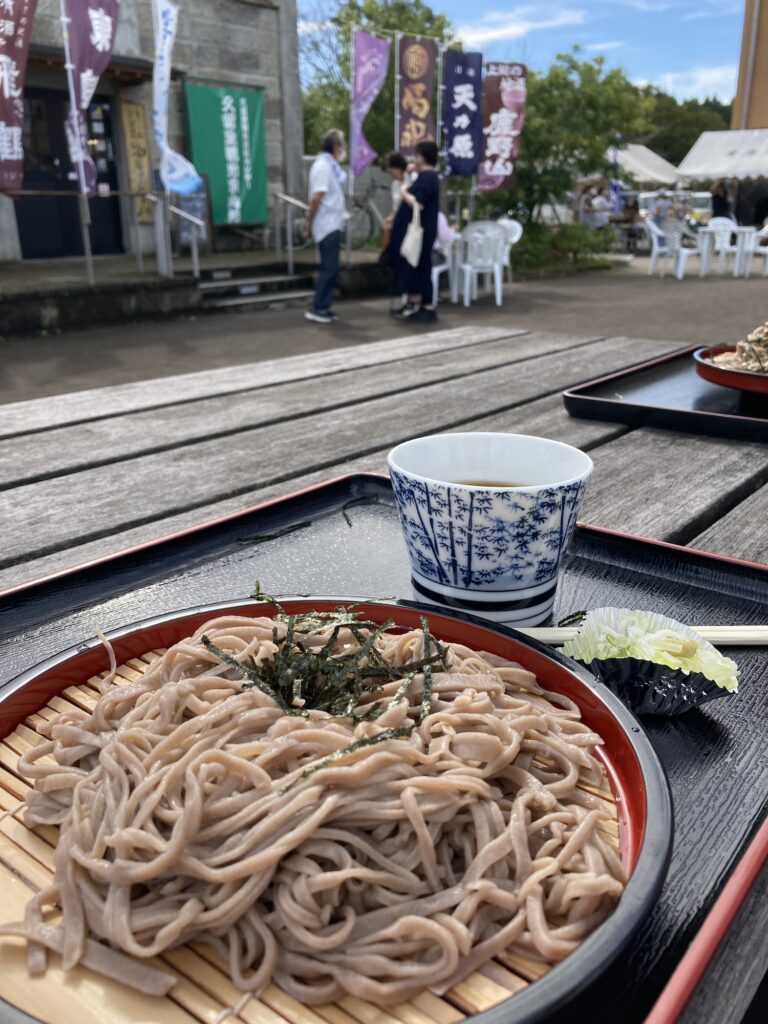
column 15, row 29
column 369, row 71
column 463, row 111
column 92, row 29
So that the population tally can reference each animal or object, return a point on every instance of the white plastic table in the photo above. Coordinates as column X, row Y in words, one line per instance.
column 743, row 235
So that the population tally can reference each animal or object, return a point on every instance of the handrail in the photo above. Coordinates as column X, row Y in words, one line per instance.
column 21, row 193
column 187, row 216
column 193, row 240
column 290, row 199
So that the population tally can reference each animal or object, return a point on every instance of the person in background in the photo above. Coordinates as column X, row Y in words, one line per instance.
column 586, row 216
column 424, row 192
column 601, row 209
column 720, row 205
column 659, row 210
column 396, row 166
column 630, row 222
column 327, row 210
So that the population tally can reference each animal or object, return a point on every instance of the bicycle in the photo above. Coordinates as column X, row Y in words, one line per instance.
column 365, row 220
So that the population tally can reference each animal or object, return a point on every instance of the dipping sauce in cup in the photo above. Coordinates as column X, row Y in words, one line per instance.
column 487, row 519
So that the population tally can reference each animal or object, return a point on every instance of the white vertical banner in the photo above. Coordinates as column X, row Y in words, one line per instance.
column 177, row 173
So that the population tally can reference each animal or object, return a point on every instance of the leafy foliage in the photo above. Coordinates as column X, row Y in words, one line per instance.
column 674, row 126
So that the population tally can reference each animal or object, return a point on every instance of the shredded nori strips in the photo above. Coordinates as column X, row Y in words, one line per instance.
column 300, row 679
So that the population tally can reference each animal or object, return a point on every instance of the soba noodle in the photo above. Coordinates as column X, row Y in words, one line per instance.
column 192, row 808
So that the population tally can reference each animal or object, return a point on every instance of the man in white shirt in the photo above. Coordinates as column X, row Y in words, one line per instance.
column 327, row 209
column 601, row 209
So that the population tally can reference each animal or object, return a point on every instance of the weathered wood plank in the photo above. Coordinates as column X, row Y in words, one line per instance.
column 672, row 486
column 81, row 406
column 67, row 449
column 546, row 417
column 59, row 513
column 747, row 522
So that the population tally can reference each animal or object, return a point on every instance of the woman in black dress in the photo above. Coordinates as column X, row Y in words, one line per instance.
column 416, row 282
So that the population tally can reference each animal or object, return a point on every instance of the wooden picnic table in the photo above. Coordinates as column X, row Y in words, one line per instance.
column 87, row 474
column 92, row 472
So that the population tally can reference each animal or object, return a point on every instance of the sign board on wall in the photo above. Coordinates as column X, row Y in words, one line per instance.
column 134, row 124
column 226, row 126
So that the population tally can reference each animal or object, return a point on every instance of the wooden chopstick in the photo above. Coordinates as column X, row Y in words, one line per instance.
column 720, row 636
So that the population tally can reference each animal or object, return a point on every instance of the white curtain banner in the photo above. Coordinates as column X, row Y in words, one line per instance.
column 176, row 172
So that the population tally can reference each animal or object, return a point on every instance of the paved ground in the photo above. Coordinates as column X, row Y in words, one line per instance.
column 623, row 301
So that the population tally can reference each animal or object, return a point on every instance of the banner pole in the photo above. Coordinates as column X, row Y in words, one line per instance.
column 74, row 113
column 397, row 91
column 351, row 176
column 440, row 97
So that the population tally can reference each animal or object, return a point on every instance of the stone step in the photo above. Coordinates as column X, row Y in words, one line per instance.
column 240, row 282
column 263, row 299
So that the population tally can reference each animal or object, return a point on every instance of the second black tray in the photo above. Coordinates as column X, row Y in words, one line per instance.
column 669, row 393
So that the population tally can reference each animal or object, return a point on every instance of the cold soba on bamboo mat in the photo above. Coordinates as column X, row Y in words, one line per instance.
column 419, row 860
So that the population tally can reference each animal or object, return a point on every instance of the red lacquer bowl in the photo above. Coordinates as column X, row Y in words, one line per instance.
column 742, row 380
column 633, row 769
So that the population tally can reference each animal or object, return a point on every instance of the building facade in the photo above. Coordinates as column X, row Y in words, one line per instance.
column 750, row 106
column 248, row 44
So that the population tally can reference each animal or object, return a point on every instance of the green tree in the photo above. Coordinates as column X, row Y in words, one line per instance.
column 574, row 113
column 675, row 126
column 325, row 59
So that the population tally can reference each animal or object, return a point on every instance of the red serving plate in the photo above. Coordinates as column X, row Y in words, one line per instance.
column 742, row 380
column 632, row 767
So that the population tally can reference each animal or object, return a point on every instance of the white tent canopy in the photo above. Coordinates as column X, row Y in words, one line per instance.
column 645, row 166
column 737, row 154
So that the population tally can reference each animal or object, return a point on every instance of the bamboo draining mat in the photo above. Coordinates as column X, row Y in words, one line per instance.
column 203, row 992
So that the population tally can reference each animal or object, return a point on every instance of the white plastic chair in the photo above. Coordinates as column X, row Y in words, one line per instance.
column 514, row 231
column 453, row 281
column 658, row 243
column 674, row 235
column 759, row 250
column 484, row 244
column 722, row 245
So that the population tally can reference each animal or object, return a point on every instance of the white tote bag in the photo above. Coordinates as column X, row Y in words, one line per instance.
column 410, row 250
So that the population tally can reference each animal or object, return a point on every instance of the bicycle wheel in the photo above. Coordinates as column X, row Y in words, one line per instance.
column 360, row 227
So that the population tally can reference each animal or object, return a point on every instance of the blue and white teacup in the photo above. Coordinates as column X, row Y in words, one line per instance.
column 487, row 519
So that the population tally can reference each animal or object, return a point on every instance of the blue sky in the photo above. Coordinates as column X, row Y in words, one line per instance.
column 689, row 48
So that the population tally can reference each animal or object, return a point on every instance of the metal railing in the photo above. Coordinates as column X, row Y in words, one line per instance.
column 163, row 210
column 285, row 208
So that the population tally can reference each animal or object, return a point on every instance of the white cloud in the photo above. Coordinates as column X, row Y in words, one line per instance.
column 647, row 6
column 307, row 28
column 497, row 26
column 715, row 9
column 700, row 82
column 611, row 44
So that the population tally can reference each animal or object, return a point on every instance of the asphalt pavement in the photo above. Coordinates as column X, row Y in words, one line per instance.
column 621, row 301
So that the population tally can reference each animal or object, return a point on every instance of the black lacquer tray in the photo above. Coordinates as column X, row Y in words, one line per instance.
column 343, row 537
column 669, row 393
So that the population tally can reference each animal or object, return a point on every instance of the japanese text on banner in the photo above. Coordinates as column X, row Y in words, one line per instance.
column 417, row 61
column 462, row 111
column 504, row 94
column 15, row 30
column 92, row 29
column 371, row 60
column 176, row 172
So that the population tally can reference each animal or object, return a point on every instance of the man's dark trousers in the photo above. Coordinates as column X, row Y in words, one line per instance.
column 329, row 248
